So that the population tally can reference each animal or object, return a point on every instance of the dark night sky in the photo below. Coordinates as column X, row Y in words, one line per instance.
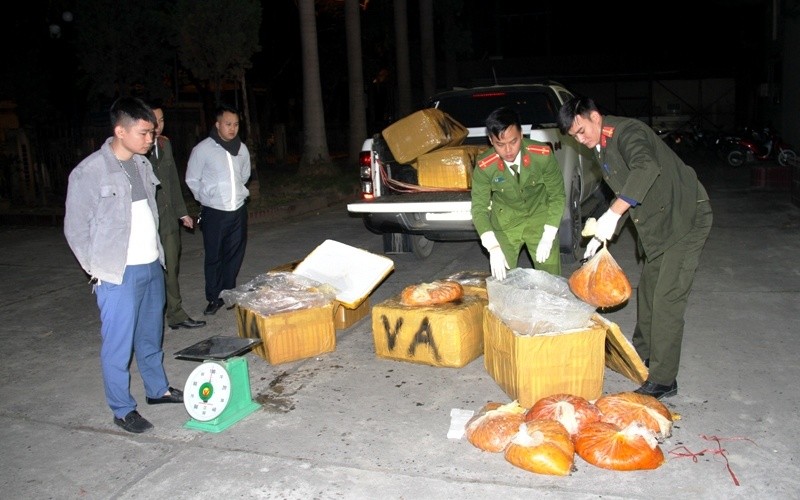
column 602, row 37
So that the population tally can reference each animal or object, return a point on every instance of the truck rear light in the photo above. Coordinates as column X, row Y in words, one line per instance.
column 481, row 95
column 365, row 163
column 366, row 188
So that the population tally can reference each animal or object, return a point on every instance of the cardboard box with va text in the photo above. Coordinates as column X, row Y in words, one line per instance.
column 531, row 367
column 448, row 335
column 289, row 336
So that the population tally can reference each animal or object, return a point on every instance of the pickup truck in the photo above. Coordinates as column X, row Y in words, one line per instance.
column 412, row 220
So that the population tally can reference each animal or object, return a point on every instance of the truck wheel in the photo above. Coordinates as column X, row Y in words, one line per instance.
column 421, row 246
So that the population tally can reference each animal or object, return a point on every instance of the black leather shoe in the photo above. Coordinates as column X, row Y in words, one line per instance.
column 658, row 391
column 188, row 323
column 213, row 306
column 133, row 422
column 175, row 396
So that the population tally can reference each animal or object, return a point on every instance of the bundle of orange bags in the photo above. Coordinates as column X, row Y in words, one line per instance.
column 600, row 281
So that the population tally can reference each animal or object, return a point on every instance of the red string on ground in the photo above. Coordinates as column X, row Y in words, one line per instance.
column 719, row 451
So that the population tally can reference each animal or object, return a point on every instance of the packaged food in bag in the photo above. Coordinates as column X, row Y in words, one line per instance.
column 600, row 281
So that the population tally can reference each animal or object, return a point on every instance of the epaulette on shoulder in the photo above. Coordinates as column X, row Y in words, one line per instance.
column 608, row 131
column 539, row 150
column 492, row 158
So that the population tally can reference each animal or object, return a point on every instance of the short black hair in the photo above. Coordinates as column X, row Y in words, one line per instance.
column 225, row 108
column 500, row 119
column 128, row 110
column 572, row 108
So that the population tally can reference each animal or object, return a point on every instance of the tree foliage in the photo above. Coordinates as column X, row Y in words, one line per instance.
column 122, row 47
column 217, row 39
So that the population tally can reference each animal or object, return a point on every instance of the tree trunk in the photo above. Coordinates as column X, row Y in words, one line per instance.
column 401, row 52
column 253, row 184
column 355, row 77
column 316, row 159
column 427, row 48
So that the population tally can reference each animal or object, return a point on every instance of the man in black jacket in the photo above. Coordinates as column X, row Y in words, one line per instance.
column 172, row 214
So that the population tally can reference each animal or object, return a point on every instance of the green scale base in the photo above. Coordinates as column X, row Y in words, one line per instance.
column 239, row 402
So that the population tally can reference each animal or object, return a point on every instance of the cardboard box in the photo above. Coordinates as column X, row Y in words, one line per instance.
column 422, row 132
column 449, row 335
column 449, row 167
column 345, row 317
column 353, row 272
column 621, row 356
column 289, row 336
column 529, row 368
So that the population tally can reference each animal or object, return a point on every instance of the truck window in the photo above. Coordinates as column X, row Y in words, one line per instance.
column 472, row 110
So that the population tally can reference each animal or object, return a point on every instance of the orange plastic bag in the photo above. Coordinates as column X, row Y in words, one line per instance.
column 600, row 281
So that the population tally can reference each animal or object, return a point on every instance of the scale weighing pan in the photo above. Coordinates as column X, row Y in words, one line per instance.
column 217, row 347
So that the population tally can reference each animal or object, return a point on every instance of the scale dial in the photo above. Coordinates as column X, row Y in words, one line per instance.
column 207, row 391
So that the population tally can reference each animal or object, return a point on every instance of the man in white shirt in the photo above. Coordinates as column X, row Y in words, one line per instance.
column 218, row 169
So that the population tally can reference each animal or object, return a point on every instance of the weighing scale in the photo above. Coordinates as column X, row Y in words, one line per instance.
column 217, row 393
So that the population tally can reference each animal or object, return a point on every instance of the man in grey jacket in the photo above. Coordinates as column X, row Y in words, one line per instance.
column 111, row 225
column 218, row 169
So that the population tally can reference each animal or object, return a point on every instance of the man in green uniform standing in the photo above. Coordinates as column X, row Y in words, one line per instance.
column 670, row 210
column 517, row 197
column 172, row 214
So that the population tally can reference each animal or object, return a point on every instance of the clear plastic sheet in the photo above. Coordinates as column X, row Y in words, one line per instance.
column 532, row 302
column 469, row 278
column 278, row 292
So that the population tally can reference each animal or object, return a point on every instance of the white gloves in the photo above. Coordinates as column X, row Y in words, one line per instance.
column 497, row 260
column 606, row 225
column 602, row 229
column 546, row 243
column 592, row 247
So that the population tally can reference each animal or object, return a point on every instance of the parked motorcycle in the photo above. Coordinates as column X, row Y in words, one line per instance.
column 738, row 150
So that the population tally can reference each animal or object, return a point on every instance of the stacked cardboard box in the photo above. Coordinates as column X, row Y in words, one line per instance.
column 449, row 167
column 422, row 132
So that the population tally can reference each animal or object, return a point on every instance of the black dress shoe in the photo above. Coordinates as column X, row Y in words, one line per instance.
column 188, row 323
column 658, row 391
column 133, row 422
column 175, row 396
column 213, row 306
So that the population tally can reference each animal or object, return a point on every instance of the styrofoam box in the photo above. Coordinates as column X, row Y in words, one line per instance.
column 353, row 272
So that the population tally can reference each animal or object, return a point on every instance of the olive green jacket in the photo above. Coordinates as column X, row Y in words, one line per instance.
column 169, row 196
column 500, row 203
column 638, row 166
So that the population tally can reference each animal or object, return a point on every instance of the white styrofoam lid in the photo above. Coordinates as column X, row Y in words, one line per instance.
column 352, row 271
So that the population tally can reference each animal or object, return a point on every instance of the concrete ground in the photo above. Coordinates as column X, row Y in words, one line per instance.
column 347, row 424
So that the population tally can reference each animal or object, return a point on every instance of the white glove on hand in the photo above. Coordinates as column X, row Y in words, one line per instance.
column 592, row 247
column 497, row 260
column 606, row 225
column 546, row 243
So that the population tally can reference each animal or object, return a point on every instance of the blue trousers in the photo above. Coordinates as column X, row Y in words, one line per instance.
column 132, row 322
column 224, row 242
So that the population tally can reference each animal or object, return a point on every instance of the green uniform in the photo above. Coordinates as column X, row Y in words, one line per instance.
column 517, row 209
column 672, row 217
column 171, row 208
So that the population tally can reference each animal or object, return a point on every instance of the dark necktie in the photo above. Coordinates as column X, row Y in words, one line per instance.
column 516, row 170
